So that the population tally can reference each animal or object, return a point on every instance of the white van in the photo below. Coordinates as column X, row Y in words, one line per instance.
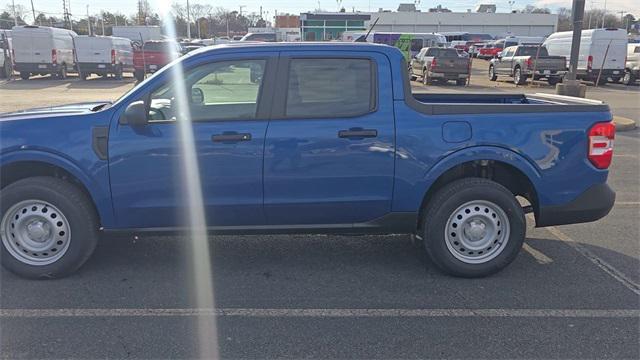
column 593, row 47
column 43, row 50
column 6, row 69
column 103, row 55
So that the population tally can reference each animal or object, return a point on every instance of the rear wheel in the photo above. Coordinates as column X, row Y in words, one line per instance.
column 25, row 75
column 553, row 80
column 492, row 73
column 62, row 74
column 139, row 75
column 83, row 75
column 628, row 78
column 48, row 227
column 461, row 82
column 473, row 227
column 118, row 72
column 426, row 79
column 518, row 78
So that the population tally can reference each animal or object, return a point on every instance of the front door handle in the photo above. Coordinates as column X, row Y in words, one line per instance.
column 358, row 133
column 231, row 137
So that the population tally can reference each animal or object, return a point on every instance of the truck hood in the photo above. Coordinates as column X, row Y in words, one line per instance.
column 69, row 109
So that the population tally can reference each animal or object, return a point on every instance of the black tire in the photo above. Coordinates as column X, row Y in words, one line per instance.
column 443, row 205
column 25, row 75
column 83, row 75
column 615, row 80
column 426, row 80
column 118, row 72
column 518, row 78
column 628, row 78
column 139, row 75
column 492, row 73
column 461, row 82
column 553, row 80
column 62, row 74
column 78, row 211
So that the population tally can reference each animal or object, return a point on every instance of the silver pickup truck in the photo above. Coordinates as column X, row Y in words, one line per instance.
column 525, row 61
column 440, row 64
column 632, row 65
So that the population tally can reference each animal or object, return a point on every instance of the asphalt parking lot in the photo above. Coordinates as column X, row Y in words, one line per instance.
column 573, row 292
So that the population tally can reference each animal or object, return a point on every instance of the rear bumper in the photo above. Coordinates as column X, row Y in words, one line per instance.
column 448, row 76
column 593, row 73
column 96, row 67
column 593, row 204
column 37, row 68
column 550, row 73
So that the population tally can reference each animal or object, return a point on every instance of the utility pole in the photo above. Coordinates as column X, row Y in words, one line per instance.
column 241, row 7
column 571, row 86
column 188, row 21
column 15, row 16
column 33, row 10
column 88, row 21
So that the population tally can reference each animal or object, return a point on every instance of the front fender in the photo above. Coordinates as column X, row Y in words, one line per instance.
column 87, row 176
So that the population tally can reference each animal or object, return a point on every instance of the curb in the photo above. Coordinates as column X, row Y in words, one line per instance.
column 623, row 123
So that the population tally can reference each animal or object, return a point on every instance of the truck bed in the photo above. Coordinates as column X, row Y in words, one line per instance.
column 441, row 104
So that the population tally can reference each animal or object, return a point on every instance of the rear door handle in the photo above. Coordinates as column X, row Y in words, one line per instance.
column 358, row 133
column 231, row 137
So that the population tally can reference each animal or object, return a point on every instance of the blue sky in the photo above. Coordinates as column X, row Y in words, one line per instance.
column 78, row 7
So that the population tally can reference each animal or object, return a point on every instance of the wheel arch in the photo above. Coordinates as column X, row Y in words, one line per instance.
column 503, row 166
column 46, row 164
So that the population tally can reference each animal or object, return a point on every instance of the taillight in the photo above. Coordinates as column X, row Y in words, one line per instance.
column 113, row 57
column 601, row 137
column 589, row 62
column 434, row 63
column 54, row 56
column 529, row 63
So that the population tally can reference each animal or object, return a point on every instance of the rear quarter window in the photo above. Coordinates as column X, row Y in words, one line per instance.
column 330, row 88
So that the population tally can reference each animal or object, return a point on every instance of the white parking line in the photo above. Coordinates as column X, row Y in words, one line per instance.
column 627, row 202
column 603, row 265
column 537, row 255
column 321, row 313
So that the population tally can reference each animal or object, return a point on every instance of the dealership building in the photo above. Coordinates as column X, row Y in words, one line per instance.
column 329, row 26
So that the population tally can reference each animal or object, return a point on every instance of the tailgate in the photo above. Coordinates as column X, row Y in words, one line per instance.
column 550, row 63
column 453, row 65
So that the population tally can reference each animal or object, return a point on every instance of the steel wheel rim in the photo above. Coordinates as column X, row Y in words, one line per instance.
column 35, row 232
column 477, row 232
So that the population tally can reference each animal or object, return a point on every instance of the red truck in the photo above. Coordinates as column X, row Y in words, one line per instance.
column 154, row 55
column 491, row 49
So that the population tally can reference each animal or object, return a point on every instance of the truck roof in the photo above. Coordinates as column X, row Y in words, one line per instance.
column 307, row 45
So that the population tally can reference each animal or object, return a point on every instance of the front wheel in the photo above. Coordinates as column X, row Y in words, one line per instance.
column 48, row 227
column 473, row 227
column 492, row 74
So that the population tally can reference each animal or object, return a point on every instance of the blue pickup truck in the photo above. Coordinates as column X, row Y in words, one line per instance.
column 300, row 138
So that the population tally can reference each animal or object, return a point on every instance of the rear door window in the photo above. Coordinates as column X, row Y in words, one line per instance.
column 330, row 88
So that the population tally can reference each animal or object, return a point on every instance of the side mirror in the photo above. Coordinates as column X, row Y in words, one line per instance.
column 135, row 114
column 499, row 55
column 197, row 96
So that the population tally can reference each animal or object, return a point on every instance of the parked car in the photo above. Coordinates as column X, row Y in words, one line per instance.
column 492, row 49
column 6, row 62
column 594, row 45
column 632, row 65
column 474, row 48
column 524, row 61
column 440, row 64
column 336, row 143
column 153, row 56
column 43, row 50
column 103, row 55
column 264, row 37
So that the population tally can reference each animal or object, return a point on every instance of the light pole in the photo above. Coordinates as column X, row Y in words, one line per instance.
column 571, row 86
column 188, row 21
